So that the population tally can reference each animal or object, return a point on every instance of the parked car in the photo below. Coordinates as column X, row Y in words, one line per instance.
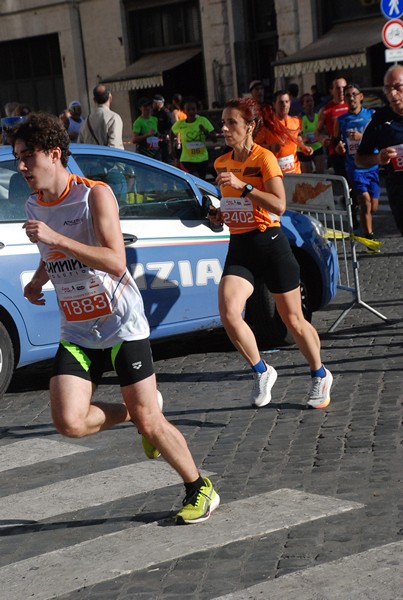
column 174, row 253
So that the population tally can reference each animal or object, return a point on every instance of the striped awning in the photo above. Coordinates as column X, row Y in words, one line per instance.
column 148, row 71
column 343, row 47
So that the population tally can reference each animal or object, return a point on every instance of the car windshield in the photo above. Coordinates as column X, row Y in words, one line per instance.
column 143, row 192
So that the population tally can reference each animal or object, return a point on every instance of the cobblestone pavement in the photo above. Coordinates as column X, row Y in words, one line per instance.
column 350, row 452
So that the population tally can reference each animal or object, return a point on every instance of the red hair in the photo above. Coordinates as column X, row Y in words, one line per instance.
column 249, row 109
column 261, row 115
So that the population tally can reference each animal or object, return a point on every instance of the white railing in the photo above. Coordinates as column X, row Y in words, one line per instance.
column 327, row 198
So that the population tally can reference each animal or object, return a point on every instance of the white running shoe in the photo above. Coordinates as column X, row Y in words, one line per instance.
column 319, row 395
column 263, row 382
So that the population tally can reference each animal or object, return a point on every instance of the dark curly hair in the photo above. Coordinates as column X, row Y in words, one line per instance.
column 42, row 131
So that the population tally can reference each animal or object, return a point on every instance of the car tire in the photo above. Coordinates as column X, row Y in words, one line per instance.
column 262, row 316
column 6, row 359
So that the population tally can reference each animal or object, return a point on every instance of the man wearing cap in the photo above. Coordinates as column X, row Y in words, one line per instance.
column 145, row 130
column 256, row 89
column 165, row 123
column 73, row 119
column 103, row 126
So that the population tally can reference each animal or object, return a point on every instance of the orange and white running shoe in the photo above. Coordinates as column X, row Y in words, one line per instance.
column 319, row 395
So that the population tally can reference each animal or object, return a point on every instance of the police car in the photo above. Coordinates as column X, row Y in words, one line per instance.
column 173, row 251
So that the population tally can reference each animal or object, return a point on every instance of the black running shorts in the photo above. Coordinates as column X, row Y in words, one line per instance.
column 132, row 361
column 265, row 255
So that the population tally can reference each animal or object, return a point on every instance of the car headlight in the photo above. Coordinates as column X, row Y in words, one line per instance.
column 318, row 227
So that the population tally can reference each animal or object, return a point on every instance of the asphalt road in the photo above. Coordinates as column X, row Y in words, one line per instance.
column 311, row 501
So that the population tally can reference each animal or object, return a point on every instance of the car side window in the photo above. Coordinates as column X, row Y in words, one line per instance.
column 14, row 193
column 143, row 192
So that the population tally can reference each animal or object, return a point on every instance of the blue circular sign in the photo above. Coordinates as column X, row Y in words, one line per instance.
column 392, row 9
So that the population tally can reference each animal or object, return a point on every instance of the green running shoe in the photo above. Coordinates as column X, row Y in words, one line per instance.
column 149, row 450
column 199, row 506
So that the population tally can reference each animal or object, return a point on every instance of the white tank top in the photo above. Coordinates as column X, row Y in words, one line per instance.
column 97, row 310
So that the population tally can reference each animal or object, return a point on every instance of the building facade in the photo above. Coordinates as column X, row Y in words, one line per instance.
column 55, row 51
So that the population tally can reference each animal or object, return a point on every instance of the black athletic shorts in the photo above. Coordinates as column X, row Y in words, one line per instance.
column 265, row 255
column 132, row 361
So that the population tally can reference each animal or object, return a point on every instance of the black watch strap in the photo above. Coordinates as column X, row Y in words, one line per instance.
column 246, row 190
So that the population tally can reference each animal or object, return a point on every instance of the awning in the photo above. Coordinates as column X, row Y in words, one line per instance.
column 148, row 71
column 343, row 47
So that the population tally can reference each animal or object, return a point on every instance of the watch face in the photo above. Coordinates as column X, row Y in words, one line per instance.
column 248, row 188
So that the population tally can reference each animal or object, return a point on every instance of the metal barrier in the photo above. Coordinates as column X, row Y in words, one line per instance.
column 327, row 198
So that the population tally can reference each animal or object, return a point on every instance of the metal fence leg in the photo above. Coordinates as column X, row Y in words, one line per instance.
column 356, row 290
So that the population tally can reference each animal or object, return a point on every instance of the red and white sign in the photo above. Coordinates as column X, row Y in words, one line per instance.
column 392, row 33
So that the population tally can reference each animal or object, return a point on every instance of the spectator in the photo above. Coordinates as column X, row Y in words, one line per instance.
column 324, row 132
column 309, row 120
column 384, row 132
column 145, row 131
column 164, row 119
column 73, row 120
column 256, row 89
column 103, row 126
column 16, row 113
column 9, row 108
column 296, row 106
column 363, row 181
column 284, row 145
column 22, row 110
column 193, row 131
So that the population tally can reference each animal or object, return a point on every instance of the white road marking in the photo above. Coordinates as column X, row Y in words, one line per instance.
column 29, row 452
column 89, row 490
column 376, row 574
column 139, row 547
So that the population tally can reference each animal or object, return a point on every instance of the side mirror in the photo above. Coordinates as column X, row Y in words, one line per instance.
column 207, row 205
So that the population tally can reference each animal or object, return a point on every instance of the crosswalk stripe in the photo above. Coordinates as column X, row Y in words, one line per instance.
column 86, row 491
column 372, row 575
column 139, row 547
column 29, row 452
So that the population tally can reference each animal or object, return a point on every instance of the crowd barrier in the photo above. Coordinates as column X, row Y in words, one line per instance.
column 327, row 198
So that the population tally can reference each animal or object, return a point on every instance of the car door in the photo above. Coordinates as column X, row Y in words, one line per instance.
column 37, row 325
column 172, row 252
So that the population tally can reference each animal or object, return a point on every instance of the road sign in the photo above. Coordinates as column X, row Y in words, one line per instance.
column 392, row 9
column 392, row 34
column 393, row 56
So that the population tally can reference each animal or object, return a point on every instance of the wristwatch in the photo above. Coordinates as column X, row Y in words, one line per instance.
column 246, row 190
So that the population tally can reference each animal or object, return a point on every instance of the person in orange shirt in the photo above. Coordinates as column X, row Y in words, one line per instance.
column 178, row 114
column 284, row 144
column 253, row 200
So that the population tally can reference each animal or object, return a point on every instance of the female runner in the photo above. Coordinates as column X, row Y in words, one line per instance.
column 259, row 248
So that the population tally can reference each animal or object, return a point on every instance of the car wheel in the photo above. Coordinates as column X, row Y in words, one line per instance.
column 262, row 316
column 6, row 359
